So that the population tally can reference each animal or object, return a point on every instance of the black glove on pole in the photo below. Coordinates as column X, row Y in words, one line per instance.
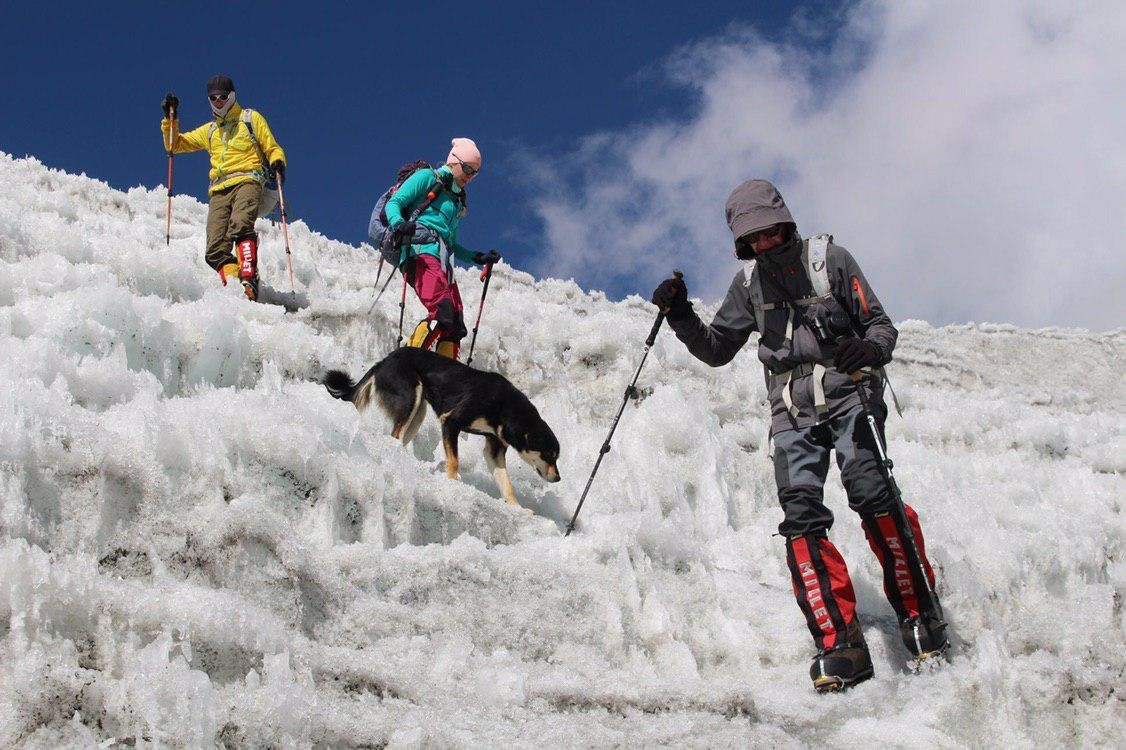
column 169, row 107
column 404, row 232
column 486, row 259
column 885, row 468
column 854, row 354
column 631, row 390
column 278, row 168
column 671, row 296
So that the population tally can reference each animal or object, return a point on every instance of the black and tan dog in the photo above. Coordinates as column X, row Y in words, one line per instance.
column 465, row 400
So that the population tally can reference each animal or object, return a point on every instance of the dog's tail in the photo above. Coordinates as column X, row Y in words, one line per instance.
column 339, row 384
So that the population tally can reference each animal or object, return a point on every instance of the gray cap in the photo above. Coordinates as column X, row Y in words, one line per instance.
column 755, row 205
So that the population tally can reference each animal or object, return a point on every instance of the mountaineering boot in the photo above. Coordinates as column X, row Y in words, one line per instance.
column 423, row 335
column 448, row 349
column 229, row 271
column 247, row 251
column 924, row 637
column 923, row 633
column 843, row 665
column 250, row 287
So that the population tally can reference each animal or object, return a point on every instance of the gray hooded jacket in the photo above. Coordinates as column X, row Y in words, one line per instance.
column 783, row 278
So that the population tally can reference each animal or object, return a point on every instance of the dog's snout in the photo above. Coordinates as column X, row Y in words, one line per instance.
column 552, row 474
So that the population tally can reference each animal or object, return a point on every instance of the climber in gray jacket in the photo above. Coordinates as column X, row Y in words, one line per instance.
column 819, row 322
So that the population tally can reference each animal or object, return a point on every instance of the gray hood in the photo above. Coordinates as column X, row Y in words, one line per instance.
column 754, row 205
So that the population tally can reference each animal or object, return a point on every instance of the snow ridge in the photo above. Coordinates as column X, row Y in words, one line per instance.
column 198, row 546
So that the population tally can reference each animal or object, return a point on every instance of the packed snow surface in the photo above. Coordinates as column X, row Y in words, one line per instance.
column 199, row 547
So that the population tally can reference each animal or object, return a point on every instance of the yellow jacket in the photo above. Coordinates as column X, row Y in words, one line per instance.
column 234, row 156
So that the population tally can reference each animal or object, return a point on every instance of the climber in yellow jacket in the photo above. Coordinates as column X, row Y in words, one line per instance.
column 243, row 153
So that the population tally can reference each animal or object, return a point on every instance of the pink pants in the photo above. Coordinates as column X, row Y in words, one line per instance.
column 440, row 297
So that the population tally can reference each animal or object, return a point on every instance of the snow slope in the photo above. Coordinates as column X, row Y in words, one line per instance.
column 198, row 546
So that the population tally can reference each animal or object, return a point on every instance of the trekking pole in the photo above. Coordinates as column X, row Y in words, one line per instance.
column 381, row 291
column 631, row 392
column 285, row 233
column 486, row 276
column 379, row 269
column 402, row 309
column 378, row 276
column 897, row 496
column 168, row 228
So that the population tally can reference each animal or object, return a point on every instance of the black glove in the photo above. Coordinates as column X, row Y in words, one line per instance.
column 170, row 102
column 671, row 296
column 279, row 170
column 484, row 259
column 404, row 232
column 854, row 354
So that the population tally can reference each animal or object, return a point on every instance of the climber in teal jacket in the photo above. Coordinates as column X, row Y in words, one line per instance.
column 427, row 260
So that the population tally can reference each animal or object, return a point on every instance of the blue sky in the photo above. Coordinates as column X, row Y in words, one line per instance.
column 351, row 90
column 969, row 154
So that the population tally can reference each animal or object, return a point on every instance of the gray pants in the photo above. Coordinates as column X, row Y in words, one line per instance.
column 801, row 463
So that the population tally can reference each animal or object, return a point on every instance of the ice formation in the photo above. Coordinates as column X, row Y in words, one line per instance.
column 199, row 547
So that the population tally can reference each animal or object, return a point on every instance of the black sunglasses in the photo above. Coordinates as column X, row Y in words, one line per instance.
column 467, row 168
column 768, row 233
column 219, row 97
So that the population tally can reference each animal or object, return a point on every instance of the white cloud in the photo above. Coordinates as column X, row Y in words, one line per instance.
column 971, row 155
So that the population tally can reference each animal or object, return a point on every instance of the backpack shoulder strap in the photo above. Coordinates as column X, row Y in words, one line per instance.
column 816, row 266
column 447, row 183
column 246, row 119
column 436, row 191
column 754, row 289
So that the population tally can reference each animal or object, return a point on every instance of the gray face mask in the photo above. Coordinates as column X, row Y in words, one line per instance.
column 221, row 111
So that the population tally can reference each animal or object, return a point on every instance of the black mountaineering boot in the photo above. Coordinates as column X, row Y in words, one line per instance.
column 843, row 665
column 925, row 637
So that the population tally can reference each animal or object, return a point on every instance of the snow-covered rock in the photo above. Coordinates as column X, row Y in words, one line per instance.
column 199, row 546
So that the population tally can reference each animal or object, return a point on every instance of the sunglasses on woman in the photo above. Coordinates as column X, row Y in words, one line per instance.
column 469, row 169
column 219, row 97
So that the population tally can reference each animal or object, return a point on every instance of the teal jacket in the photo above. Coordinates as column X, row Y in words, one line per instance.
column 443, row 215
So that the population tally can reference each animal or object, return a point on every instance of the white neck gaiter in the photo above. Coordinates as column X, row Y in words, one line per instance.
column 222, row 111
